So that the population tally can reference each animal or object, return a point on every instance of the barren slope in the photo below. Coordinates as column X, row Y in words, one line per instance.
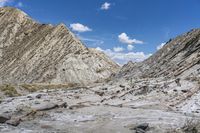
column 31, row 52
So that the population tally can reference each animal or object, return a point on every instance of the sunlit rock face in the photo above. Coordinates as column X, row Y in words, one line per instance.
column 179, row 57
column 31, row 52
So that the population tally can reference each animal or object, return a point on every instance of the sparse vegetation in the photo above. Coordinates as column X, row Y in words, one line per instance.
column 9, row 90
column 37, row 87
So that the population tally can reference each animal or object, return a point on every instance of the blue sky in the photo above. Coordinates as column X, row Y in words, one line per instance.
column 123, row 29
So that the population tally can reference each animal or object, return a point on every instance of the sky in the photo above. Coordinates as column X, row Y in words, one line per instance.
column 124, row 29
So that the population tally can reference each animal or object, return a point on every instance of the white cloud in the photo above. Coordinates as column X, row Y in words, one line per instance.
column 130, row 47
column 19, row 4
column 4, row 2
column 160, row 46
column 123, row 58
column 79, row 27
column 105, row 6
column 118, row 49
column 125, row 39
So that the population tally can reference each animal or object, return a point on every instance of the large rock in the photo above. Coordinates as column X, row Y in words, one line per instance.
column 4, row 118
column 32, row 52
column 45, row 106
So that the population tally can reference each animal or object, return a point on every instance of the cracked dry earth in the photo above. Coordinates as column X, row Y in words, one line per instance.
column 104, row 108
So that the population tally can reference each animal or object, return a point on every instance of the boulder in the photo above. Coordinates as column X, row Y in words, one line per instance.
column 14, row 121
column 4, row 118
column 45, row 106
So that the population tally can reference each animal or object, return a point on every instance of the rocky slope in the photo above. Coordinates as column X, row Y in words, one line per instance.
column 31, row 52
column 180, row 57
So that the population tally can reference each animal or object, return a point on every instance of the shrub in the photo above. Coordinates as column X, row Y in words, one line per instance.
column 9, row 90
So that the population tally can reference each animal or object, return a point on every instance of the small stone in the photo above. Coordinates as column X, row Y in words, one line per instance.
column 39, row 96
column 63, row 105
column 122, row 86
column 118, row 91
column 140, row 128
column 184, row 91
column 99, row 93
column 104, row 89
column 29, row 97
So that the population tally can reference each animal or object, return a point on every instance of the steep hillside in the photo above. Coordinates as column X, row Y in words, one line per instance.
column 180, row 57
column 31, row 52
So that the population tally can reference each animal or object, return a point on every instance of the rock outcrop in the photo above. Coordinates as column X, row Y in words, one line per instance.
column 180, row 57
column 31, row 52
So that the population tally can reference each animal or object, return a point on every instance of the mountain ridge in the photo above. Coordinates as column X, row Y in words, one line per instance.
column 176, row 58
column 33, row 52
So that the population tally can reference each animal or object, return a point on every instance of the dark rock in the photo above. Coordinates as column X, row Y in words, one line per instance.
column 178, row 82
column 4, row 118
column 14, row 122
column 99, row 93
column 29, row 97
column 184, row 91
column 104, row 89
column 39, row 96
column 141, row 128
column 63, row 105
column 122, row 86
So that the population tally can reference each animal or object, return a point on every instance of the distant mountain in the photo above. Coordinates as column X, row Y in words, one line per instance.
column 180, row 57
column 31, row 52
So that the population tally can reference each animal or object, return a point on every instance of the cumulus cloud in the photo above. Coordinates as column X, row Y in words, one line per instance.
column 79, row 27
column 105, row 6
column 118, row 49
column 130, row 47
column 4, row 2
column 124, row 38
column 123, row 58
column 160, row 46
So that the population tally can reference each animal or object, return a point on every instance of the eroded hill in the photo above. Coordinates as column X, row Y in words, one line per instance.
column 31, row 52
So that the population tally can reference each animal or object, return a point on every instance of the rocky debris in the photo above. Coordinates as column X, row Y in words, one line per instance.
column 4, row 118
column 41, row 53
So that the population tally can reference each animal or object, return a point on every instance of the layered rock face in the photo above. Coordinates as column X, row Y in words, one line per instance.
column 41, row 53
column 180, row 57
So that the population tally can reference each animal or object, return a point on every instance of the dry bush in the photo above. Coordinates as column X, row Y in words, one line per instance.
column 37, row 87
column 9, row 90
